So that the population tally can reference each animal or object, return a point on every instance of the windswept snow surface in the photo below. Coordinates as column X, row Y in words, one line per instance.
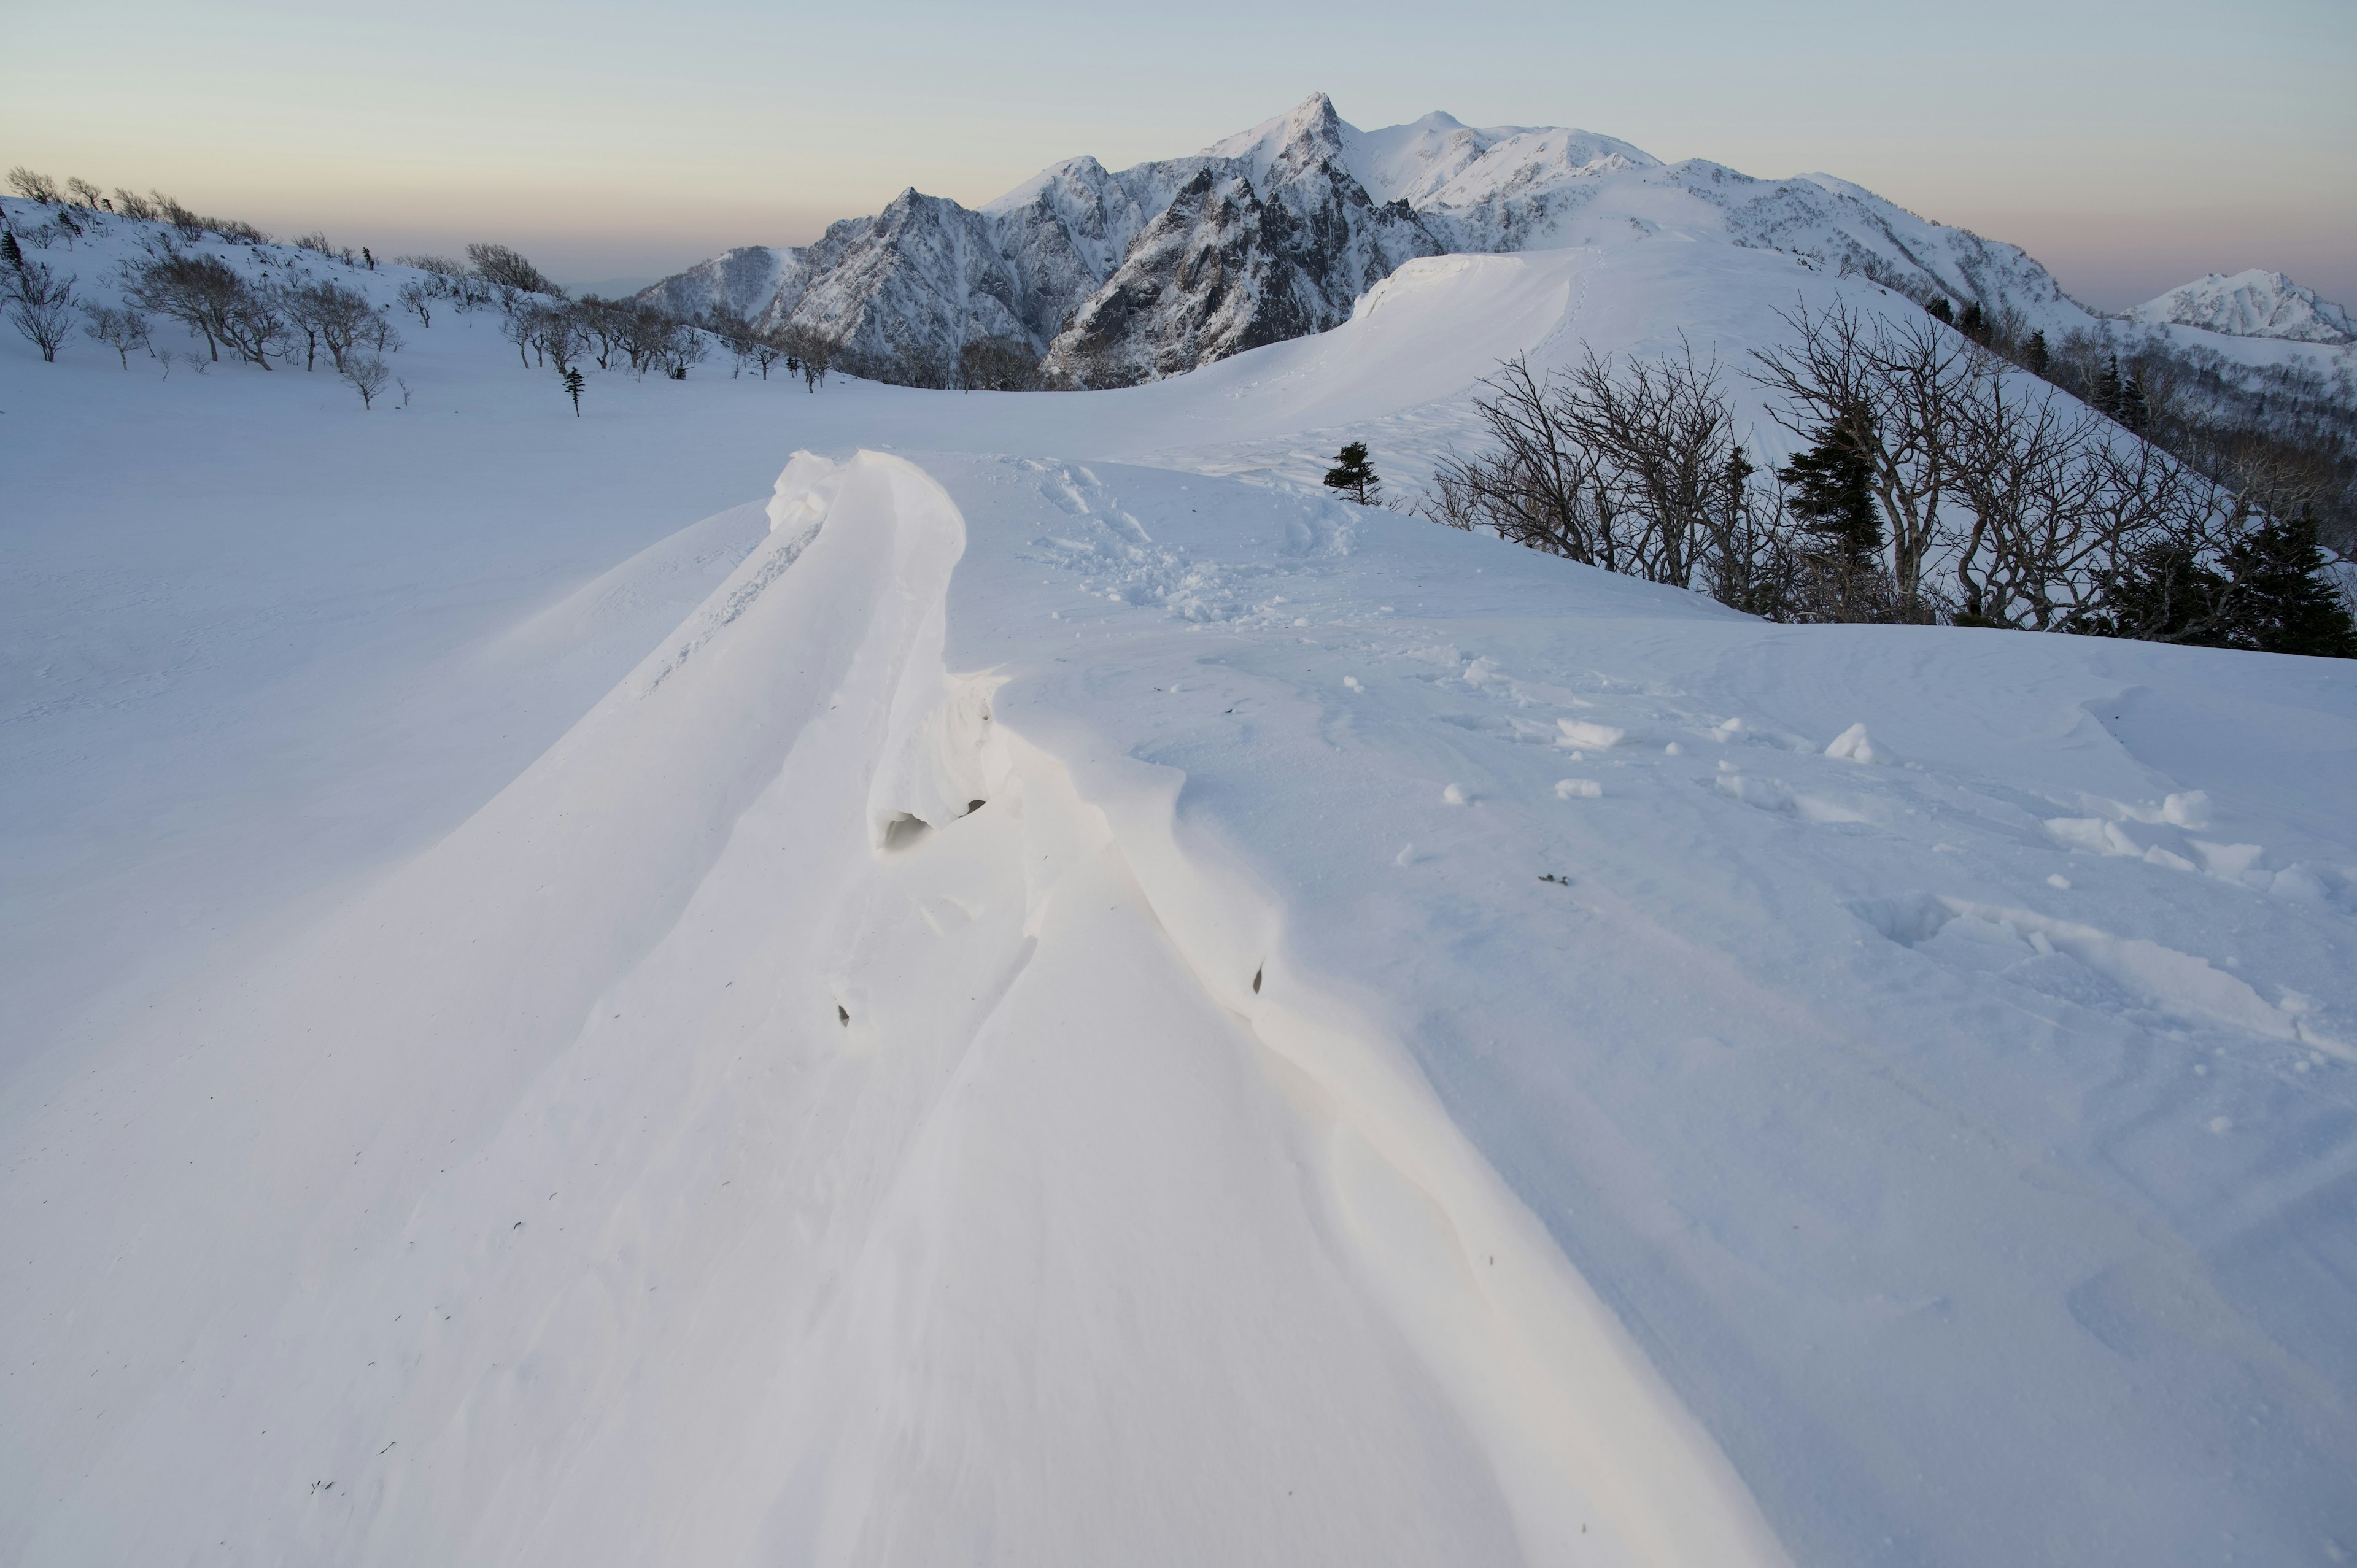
column 1038, row 990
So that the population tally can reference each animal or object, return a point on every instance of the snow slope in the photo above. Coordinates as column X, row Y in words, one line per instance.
column 526, row 1050
column 2253, row 304
column 1118, row 277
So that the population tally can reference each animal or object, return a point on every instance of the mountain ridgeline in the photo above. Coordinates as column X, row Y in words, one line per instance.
column 1090, row 278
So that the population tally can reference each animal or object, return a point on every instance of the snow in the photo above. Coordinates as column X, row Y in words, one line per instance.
column 1101, row 271
column 906, row 977
column 2253, row 304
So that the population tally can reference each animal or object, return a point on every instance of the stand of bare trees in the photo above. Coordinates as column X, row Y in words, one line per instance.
column 1934, row 482
column 1634, row 468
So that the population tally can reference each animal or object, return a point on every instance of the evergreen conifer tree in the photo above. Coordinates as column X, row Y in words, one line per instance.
column 10, row 251
column 1833, row 494
column 1974, row 323
column 2282, row 600
column 2106, row 396
column 1941, row 310
column 1352, row 473
column 574, row 381
column 2131, row 410
column 2035, row 358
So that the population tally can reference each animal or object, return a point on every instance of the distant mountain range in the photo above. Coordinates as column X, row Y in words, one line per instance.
column 1108, row 278
column 2254, row 304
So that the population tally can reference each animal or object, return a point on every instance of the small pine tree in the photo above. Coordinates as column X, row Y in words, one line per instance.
column 1833, row 494
column 2035, row 358
column 1352, row 473
column 1974, row 323
column 2131, row 409
column 1941, row 310
column 574, row 381
column 2283, row 600
column 10, row 251
column 2106, row 396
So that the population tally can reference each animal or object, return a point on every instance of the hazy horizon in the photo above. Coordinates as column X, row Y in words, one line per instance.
column 2129, row 150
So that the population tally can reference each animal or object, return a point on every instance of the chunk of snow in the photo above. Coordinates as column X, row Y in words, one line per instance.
column 1592, row 736
column 1852, row 745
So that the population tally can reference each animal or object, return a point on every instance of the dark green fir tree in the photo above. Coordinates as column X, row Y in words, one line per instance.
column 2283, row 599
column 1354, row 475
column 2035, row 358
column 1832, row 486
column 574, row 381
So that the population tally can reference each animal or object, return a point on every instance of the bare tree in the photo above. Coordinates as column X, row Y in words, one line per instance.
column 131, row 204
column 418, row 299
column 1536, row 487
column 121, row 331
column 504, row 268
column 998, row 364
column 207, row 295
column 39, row 303
column 191, row 228
column 33, row 186
column 85, row 194
column 735, row 333
column 558, row 336
column 1898, row 382
column 368, row 375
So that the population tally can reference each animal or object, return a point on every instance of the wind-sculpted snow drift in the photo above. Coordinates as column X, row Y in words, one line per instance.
column 1054, row 994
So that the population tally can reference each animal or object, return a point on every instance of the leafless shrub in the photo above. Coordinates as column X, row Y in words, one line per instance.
column 190, row 227
column 39, row 303
column 504, row 268
column 131, row 204
column 417, row 299
column 1910, row 375
column 210, row 298
column 332, row 317
column 998, row 364
column 367, row 376
column 85, row 195
column 1632, row 468
column 33, row 186
column 121, row 331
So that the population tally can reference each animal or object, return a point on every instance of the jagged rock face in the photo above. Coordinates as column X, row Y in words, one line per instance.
column 901, row 292
column 1112, row 277
column 1224, row 268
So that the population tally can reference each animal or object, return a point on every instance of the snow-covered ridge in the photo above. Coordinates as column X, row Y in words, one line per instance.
column 1112, row 277
column 1424, row 1054
column 2253, row 304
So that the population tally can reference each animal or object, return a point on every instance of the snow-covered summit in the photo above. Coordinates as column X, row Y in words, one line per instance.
column 2253, row 304
column 1112, row 276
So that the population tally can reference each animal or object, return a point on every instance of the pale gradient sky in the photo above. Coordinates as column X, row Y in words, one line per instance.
column 2128, row 146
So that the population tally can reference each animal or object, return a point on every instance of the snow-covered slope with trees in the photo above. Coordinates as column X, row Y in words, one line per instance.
column 2253, row 304
column 1119, row 278
column 1032, row 985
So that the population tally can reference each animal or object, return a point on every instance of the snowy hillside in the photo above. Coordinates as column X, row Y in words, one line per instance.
column 902, row 977
column 2254, row 304
column 1115, row 278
